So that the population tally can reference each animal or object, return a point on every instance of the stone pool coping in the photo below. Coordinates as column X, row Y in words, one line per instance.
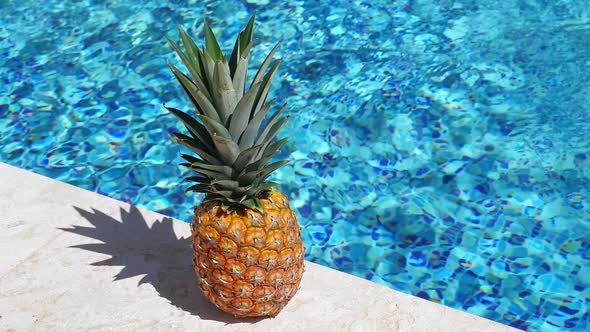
column 48, row 285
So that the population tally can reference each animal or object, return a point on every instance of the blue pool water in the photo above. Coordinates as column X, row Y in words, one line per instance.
column 439, row 147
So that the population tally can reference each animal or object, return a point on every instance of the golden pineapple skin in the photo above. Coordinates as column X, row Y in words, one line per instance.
column 248, row 263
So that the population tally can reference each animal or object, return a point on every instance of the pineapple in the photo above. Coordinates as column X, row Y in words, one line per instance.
column 248, row 253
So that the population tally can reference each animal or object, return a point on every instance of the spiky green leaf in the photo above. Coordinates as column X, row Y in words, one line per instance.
column 194, row 127
column 198, row 98
column 272, row 149
column 220, row 198
column 235, row 55
column 244, row 38
column 254, row 204
column 214, row 127
column 271, row 122
column 246, row 157
column 226, row 184
column 208, row 65
column 248, row 177
column 228, row 149
column 249, row 136
column 197, row 143
column 240, row 74
column 265, row 88
column 265, row 64
column 207, row 172
column 242, row 190
column 267, row 135
column 198, row 179
column 197, row 148
column 272, row 167
column 201, row 188
column 192, row 67
column 193, row 53
column 224, row 95
column 224, row 193
column 217, row 168
column 189, row 158
column 211, row 44
column 191, row 60
column 268, row 153
column 241, row 114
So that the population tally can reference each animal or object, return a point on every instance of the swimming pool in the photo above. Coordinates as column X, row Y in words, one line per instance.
column 439, row 147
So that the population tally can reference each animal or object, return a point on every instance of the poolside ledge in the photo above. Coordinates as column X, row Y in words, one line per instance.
column 48, row 285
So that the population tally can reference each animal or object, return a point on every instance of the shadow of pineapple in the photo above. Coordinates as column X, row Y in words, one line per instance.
column 153, row 251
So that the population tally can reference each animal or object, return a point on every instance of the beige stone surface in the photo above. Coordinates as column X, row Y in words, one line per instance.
column 72, row 260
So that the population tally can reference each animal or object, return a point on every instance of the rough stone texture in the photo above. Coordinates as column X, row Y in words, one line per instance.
column 130, row 270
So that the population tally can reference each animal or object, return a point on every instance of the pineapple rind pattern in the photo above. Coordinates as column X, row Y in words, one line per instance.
column 243, row 269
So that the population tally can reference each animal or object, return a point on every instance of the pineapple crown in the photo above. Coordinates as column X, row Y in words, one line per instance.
column 232, row 152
